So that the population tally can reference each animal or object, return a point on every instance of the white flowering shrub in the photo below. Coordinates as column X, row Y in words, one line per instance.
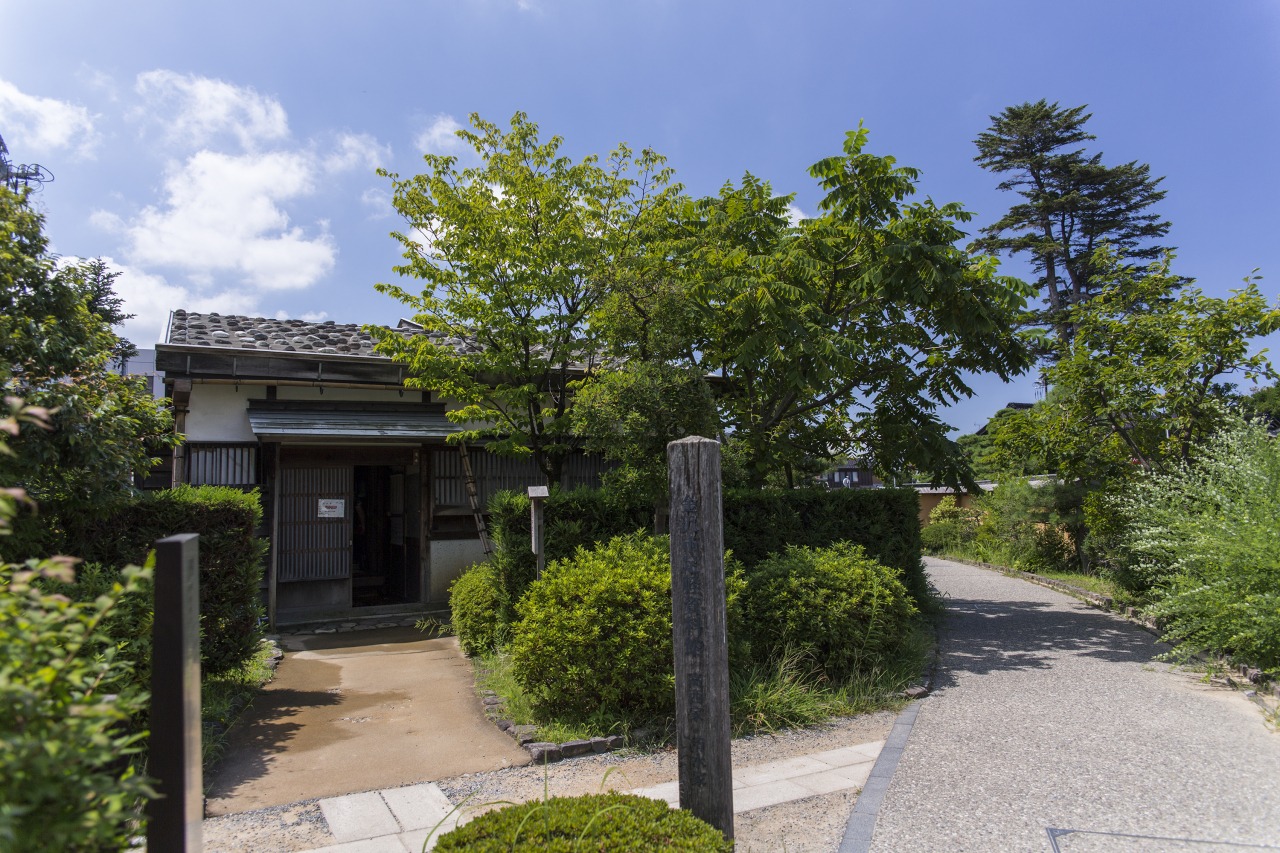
column 1205, row 541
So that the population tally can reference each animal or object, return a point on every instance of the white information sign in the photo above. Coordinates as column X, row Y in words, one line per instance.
column 332, row 508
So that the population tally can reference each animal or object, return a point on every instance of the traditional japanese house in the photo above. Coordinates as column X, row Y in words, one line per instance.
column 365, row 503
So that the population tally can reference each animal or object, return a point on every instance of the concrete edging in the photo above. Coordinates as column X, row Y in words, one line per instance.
column 862, row 822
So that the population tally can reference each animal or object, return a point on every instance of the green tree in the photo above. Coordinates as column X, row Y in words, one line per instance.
column 1147, row 376
column 56, row 351
column 1072, row 204
column 846, row 330
column 985, row 457
column 1262, row 403
column 68, row 698
column 630, row 414
column 517, row 255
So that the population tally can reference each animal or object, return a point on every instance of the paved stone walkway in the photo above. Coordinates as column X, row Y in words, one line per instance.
column 403, row 819
column 1051, row 728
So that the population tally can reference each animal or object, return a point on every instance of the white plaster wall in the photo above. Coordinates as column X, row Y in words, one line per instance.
column 449, row 559
column 221, row 412
column 304, row 392
column 453, row 406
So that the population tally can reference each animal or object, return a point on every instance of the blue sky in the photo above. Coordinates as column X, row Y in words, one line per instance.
column 222, row 155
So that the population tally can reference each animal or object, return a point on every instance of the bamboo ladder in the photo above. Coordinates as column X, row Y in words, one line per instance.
column 473, row 495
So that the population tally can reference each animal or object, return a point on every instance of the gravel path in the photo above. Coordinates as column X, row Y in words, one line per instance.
column 1051, row 728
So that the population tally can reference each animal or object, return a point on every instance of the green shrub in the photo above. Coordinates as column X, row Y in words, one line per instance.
column 836, row 604
column 943, row 537
column 129, row 622
column 1037, row 524
column 473, row 605
column 231, row 557
column 757, row 524
column 594, row 640
column 1203, row 543
column 66, row 704
column 621, row 822
column 595, row 632
column 886, row 522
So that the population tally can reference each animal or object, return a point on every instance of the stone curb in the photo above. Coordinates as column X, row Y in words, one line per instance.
column 866, row 809
column 544, row 752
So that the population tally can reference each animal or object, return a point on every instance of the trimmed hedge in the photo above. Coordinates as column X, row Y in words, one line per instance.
column 231, row 557
column 593, row 822
column 886, row 522
column 574, row 518
column 757, row 524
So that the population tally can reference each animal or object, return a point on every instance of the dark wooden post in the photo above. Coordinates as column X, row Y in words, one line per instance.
column 273, row 564
column 699, row 632
column 537, row 497
column 173, row 819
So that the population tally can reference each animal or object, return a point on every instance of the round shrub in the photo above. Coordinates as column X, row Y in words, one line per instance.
column 616, row 822
column 940, row 536
column 595, row 632
column 837, row 604
column 473, row 604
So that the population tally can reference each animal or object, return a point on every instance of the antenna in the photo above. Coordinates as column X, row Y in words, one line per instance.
column 12, row 175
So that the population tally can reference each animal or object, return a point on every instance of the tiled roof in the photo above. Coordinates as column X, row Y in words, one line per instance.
column 263, row 334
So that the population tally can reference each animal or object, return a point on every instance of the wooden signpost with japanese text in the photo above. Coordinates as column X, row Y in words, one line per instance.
column 700, row 631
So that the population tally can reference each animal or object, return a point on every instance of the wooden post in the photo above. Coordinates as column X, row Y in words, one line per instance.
column 173, row 818
column 537, row 495
column 273, row 566
column 699, row 632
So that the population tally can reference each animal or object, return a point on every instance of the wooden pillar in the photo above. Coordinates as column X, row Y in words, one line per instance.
column 273, row 568
column 173, row 818
column 699, row 632
column 181, row 405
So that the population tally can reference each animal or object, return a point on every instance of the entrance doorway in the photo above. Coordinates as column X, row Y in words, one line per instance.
column 379, row 568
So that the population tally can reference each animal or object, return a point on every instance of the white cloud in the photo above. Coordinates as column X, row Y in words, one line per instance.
column 795, row 214
column 356, row 151
column 151, row 297
column 41, row 125
column 308, row 316
column 222, row 214
column 440, row 137
column 195, row 110
column 378, row 202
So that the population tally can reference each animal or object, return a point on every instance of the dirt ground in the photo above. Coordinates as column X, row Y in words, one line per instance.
column 358, row 711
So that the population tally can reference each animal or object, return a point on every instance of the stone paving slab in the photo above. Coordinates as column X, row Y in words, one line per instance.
column 775, row 782
column 358, row 816
column 397, row 820
column 419, row 806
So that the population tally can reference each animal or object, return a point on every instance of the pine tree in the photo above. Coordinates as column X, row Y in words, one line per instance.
column 1072, row 204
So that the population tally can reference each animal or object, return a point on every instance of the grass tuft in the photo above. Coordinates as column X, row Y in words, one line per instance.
column 223, row 697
